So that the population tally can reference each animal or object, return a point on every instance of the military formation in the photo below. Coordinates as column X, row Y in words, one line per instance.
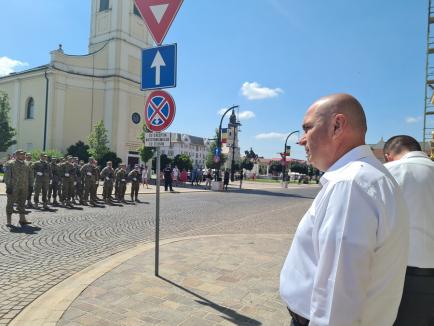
column 63, row 182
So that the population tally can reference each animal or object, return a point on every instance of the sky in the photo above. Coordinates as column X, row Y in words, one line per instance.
column 273, row 58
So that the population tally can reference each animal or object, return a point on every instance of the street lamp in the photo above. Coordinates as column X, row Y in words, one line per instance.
column 284, row 155
column 219, row 141
column 235, row 124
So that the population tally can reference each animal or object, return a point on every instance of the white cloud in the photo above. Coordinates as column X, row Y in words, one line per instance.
column 8, row 65
column 221, row 111
column 276, row 136
column 246, row 115
column 254, row 91
column 413, row 119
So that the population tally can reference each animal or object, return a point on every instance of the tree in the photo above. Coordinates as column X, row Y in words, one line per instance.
column 80, row 150
column 183, row 162
column 210, row 164
column 275, row 167
column 164, row 160
column 98, row 141
column 146, row 153
column 249, row 160
column 7, row 133
column 109, row 156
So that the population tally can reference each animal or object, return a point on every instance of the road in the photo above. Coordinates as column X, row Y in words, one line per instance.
column 63, row 242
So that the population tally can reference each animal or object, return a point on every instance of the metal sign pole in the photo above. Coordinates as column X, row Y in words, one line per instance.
column 157, row 214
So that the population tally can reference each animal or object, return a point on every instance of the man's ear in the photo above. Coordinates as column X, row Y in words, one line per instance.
column 339, row 124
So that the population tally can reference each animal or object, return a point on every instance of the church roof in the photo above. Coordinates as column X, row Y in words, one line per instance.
column 13, row 74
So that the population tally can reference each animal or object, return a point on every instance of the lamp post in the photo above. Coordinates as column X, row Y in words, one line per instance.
column 219, row 140
column 235, row 124
column 284, row 155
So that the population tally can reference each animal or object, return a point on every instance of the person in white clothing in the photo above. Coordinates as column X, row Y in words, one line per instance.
column 145, row 177
column 347, row 261
column 414, row 172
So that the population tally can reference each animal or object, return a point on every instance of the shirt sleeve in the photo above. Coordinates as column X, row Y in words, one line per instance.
column 345, row 241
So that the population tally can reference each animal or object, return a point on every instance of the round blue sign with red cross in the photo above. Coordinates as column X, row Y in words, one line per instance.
column 159, row 111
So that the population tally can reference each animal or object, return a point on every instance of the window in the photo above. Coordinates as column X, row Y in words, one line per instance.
column 30, row 108
column 136, row 11
column 104, row 5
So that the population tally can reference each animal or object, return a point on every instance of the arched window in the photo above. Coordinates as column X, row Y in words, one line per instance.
column 104, row 5
column 30, row 109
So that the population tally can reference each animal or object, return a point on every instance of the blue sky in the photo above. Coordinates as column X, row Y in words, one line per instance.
column 271, row 57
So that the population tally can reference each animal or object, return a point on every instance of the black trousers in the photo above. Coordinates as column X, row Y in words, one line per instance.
column 417, row 303
column 168, row 184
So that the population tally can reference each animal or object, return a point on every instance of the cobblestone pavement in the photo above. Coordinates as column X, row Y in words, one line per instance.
column 61, row 243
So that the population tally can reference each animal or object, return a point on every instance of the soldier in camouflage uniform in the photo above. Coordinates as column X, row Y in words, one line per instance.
column 117, row 183
column 42, row 172
column 77, row 182
column 121, row 182
column 108, row 175
column 68, row 175
column 94, row 190
column 80, row 182
column 30, row 191
column 54, row 187
column 134, row 176
column 89, row 177
column 17, row 178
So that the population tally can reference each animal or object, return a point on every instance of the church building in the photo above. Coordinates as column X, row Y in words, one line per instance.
column 57, row 104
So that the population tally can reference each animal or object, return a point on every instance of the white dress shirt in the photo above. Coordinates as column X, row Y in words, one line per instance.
column 347, row 262
column 414, row 173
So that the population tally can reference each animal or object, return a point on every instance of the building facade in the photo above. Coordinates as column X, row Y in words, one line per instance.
column 56, row 105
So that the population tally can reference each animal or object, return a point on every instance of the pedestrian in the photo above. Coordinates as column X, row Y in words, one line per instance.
column 226, row 180
column 414, row 172
column 68, row 176
column 42, row 173
column 108, row 175
column 134, row 177
column 89, row 176
column 348, row 257
column 167, row 172
column 241, row 178
column 29, row 163
column 121, row 180
column 208, row 179
column 17, row 179
column 175, row 175
column 145, row 172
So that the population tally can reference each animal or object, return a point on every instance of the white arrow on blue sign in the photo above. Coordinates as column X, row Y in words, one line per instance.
column 159, row 67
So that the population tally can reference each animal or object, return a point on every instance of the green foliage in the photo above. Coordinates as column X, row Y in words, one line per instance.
column 183, row 162
column 146, row 153
column 210, row 164
column 109, row 156
column 249, row 160
column 7, row 133
column 275, row 167
column 98, row 141
column 36, row 154
column 164, row 160
column 80, row 150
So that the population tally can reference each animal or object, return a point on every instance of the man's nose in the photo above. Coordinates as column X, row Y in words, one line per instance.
column 302, row 140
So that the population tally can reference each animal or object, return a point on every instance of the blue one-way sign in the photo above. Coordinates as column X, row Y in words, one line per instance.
column 159, row 67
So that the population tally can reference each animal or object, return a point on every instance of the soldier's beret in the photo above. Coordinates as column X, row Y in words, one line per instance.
column 19, row 151
column 69, row 157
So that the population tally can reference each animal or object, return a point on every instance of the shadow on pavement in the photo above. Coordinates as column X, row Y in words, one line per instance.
column 27, row 229
column 231, row 315
column 268, row 193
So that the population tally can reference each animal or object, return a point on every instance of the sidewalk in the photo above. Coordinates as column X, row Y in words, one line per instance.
column 204, row 280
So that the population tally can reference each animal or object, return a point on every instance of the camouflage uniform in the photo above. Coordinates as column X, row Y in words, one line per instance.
column 134, row 177
column 117, row 183
column 121, row 182
column 30, row 190
column 94, row 188
column 54, row 187
column 77, row 184
column 68, row 175
column 107, row 174
column 88, row 173
column 42, row 173
column 17, row 178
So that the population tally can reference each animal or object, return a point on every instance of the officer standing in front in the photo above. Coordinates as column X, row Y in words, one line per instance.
column 134, row 176
column 17, row 179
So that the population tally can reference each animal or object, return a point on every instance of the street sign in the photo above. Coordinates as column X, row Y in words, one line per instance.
column 159, row 111
column 135, row 117
column 157, row 139
column 158, row 16
column 159, row 67
column 216, row 158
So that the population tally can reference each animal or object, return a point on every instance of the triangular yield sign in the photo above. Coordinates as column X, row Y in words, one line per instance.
column 158, row 16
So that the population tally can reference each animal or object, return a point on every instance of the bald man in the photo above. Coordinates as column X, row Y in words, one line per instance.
column 347, row 261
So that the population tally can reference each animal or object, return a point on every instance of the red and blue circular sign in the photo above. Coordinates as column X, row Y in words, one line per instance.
column 159, row 111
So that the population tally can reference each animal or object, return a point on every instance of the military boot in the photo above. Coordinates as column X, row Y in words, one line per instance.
column 23, row 220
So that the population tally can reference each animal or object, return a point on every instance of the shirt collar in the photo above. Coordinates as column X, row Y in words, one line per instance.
column 355, row 154
column 414, row 154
